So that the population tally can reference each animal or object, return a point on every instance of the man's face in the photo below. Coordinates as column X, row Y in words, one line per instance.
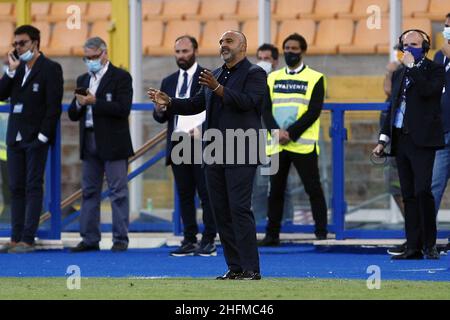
column 266, row 55
column 22, row 43
column 412, row 39
column 292, row 46
column 184, row 53
column 231, row 46
column 94, row 54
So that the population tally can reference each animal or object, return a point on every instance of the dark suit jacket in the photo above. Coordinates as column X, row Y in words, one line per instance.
column 114, row 98
column 169, row 86
column 242, row 102
column 41, row 96
column 423, row 110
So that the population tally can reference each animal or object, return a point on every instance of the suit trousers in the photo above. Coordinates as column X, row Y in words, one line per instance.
column 188, row 179
column 230, row 193
column 26, row 166
column 415, row 169
column 93, row 169
column 308, row 169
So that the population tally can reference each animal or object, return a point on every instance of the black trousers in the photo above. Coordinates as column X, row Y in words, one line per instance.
column 26, row 167
column 230, row 192
column 308, row 169
column 415, row 170
column 190, row 178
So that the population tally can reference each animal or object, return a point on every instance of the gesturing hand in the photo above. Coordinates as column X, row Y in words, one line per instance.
column 206, row 78
column 158, row 97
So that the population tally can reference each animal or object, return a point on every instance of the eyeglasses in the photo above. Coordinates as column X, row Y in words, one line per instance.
column 20, row 43
column 85, row 58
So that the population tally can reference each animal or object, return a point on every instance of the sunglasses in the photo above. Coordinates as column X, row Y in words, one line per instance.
column 20, row 43
column 86, row 58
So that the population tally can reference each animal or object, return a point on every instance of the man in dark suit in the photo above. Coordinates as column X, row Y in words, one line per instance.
column 414, row 127
column 34, row 85
column 105, row 143
column 189, row 177
column 232, row 96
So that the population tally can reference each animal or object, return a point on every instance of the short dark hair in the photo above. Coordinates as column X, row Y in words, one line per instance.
column 32, row 32
column 191, row 38
column 267, row 47
column 299, row 38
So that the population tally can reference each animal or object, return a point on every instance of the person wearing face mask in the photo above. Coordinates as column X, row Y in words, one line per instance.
column 189, row 177
column 102, row 104
column 34, row 84
column 297, row 93
column 441, row 169
column 413, row 127
column 267, row 58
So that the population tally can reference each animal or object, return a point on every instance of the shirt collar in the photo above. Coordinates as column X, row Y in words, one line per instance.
column 297, row 70
column 190, row 71
column 233, row 68
column 101, row 72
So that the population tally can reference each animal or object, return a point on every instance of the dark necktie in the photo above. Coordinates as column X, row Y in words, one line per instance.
column 184, row 86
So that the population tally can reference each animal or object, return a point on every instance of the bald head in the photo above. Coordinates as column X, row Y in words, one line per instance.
column 413, row 38
column 233, row 47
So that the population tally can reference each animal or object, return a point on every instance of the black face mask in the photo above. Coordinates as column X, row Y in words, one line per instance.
column 292, row 59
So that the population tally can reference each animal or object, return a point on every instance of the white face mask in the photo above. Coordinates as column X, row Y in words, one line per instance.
column 267, row 66
column 446, row 33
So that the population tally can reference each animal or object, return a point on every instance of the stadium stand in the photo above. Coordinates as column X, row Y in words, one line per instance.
column 6, row 36
column 179, row 9
column 367, row 41
column 211, row 35
column 210, row 10
column 325, row 9
column 174, row 29
column 306, row 27
column 330, row 27
column 330, row 34
column 359, row 9
column 411, row 8
column 152, row 45
column 151, row 9
column 436, row 11
column 287, row 9
column 250, row 29
column 247, row 10
column 64, row 41
column 40, row 10
column 99, row 11
column 6, row 12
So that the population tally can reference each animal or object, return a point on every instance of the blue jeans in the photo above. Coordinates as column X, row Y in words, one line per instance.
column 441, row 172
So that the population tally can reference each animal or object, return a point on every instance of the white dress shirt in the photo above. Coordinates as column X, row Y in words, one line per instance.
column 12, row 74
column 186, row 123
column 94, row 82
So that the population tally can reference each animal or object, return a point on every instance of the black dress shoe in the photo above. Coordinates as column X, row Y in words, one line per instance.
column 409, row 255
column 249, row 275
column 83, row 247
column 229, row 275
column 397, row 250
column 432, row 253
column 119, row 247
column 269, row 241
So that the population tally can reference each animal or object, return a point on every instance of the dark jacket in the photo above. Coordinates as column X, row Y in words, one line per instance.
column 242, row 104
column 423, row 109
column 41, row 97
column 110, row 113
column 169, row 86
